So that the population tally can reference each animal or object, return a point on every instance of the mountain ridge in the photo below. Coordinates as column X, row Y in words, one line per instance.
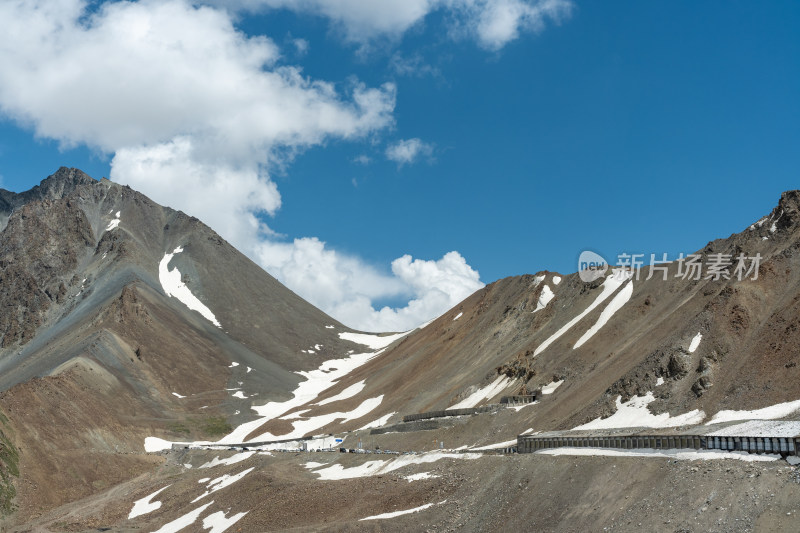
column 99, row 354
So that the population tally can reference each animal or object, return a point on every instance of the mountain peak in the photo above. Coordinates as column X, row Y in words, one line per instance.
column 54, row 187
column 62, row 182
column 789, row 204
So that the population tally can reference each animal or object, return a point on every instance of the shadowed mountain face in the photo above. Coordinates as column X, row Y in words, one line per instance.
column 121, row 319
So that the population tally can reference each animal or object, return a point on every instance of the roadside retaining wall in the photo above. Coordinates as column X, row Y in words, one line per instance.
column 452, row 412
column 776, row 445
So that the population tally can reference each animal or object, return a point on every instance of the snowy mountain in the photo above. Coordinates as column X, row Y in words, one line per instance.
column 136, row 346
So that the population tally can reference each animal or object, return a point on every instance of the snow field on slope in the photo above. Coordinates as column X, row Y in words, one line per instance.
column 174, row 287
column 154, row 444
column 222, row 482
column 232, row 460
column 375, row 342
column 767, row 413
column 611, row 284
column 218, row 523
column 486, row 393
column 316, row 382
column 545, row 297
column 759, row 428
column 394, row 514
column 504, row 444
column 349, row 392
column 371, row 468
column 301, row 428
column 145, row 505
column 114, row 223
column 670, row 454
column 379, row 422
column 616, row 303
column 183, row 521
column 634, row 413
column 551, row 387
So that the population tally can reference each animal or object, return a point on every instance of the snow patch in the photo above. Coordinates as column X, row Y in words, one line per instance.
column 635, row 413
column 556, row 280
column 178, row 395
column 303, row 427
column 400, row 513
column 184, row 521
column 375, row 342
column 459, row 315
column 296, row 414
column 173, row 286
column 759, row 428
column 695, row 342
column 551, row 387
column 336, row 471
column 144, row 505
column 240, row 395
column 349, row 392
column 221, row 482
column 421, row 475
column 234, row 364
column 659, row 381
column 486, row 393
column 681, row 454
column 611, row 284
column 544, row 298
column 217, row 522
column 767, row 413
column 774, row 227
column 114, row 223
column 232, row 460
column 523, row 406
column 620, row 299
column 317, row 381
column 379, row 422
column 504, row 444
column 154, row 444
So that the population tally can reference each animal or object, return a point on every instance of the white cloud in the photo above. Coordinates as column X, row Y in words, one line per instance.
column 408, row 151
column 492, row 23
column 362, row 159
column 301, row 46
column 193, row 110
column 224, row 196
column 345, row 286
column 414, row 65
column 195, row 114
column 361, row 20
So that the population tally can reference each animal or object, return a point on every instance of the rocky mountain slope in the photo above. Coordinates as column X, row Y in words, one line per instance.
column 126, row 326
column 94, row 356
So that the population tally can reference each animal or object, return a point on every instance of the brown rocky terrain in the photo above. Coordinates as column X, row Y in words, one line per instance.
column 95, row 358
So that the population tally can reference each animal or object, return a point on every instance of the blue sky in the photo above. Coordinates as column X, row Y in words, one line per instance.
column 643, row 127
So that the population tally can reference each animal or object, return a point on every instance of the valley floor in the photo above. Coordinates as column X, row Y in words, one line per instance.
column 329, row 491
